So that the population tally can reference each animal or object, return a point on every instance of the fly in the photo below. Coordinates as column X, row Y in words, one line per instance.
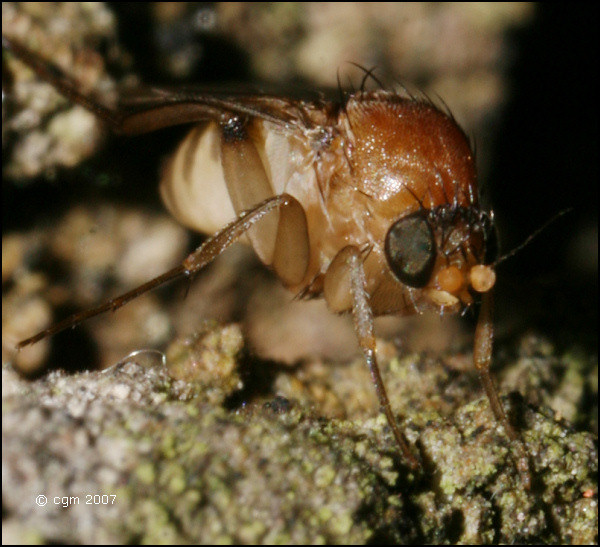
column 370, row 202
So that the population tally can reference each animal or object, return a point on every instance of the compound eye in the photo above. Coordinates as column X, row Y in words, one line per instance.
column 410, row 250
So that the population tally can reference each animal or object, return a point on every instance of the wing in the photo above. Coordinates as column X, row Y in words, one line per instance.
column 147, row 110
column 225, row 166
column 169, row 108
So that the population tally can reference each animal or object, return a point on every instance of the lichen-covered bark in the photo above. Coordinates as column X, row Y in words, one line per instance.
column 186, row 463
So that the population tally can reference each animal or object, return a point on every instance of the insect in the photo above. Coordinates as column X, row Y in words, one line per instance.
column 370, row 202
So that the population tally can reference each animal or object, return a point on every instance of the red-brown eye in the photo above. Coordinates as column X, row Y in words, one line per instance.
column 410, row 250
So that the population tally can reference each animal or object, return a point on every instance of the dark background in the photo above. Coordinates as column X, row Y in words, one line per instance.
column 545, row 160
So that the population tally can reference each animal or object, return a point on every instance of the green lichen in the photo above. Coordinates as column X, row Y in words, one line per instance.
column 185, row 469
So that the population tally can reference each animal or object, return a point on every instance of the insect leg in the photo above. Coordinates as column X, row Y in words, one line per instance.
column 205, row 254
column 216, row 244
column 482, row 356
column 363, row 324
column 281, row 241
